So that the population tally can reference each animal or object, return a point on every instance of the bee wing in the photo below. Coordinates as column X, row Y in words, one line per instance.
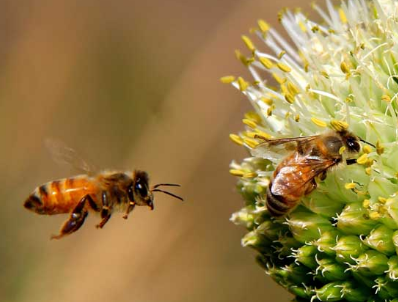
column 275, row 149
column 64, row 155
column 308, row 167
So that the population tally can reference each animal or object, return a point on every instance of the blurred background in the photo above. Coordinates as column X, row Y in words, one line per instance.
column 129, row 84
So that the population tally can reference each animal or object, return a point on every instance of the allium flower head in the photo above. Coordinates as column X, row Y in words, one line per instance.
column 341, row 242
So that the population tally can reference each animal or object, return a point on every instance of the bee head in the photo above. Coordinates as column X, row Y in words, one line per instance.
column 352, row 143
column 139, row 191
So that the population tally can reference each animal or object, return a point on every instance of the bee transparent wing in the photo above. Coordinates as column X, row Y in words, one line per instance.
column 307, row 167
column 276, row 149
column 64, row 155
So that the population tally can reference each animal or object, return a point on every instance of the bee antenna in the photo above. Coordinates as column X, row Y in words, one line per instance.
column 362, row 140
column 168, row 193
column 167, row 185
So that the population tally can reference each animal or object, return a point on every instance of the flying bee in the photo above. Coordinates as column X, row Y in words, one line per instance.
column 312, row 157
column 101, row 193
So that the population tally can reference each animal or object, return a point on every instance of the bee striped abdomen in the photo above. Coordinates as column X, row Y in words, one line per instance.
column 59, row 196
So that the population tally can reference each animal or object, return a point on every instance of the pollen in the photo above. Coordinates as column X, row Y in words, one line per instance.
column 279, row 79
column 341, row 150
column 249, row 123
column 243, row 85
column 227, row 79
column 236, row 172
column 350, row 186
column 250, row 175
column 366, row 203
column 367, row 149
column 267, row 101
column 363, row 159
column 374, row 215
column 379, row 148
column 283, row 67
column 318, row 122
column 249, row 44
column 338, row 125
column 236, row 139
column 344, row 67
column 386, row 98
column 250, row 142
column 264, row 26
column 266, row 62
column 342, row 15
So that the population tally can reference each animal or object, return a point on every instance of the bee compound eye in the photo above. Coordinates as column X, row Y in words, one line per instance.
column 141, row 189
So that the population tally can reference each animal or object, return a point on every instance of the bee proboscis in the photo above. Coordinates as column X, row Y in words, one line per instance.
column 312, row 157
column 101, row 193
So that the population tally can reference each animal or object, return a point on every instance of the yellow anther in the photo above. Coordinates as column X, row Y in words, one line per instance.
column 338, row 125
column 266, row 62
column 281, row 54
column 374, row 215
column 382, row 200
column 267, row 101
column 283, row 67
column 306, row 66
column 249, row 44
column 253, row 116
column 325, row 74
column 243, row 59
column 292, row 88
column 344, row 67
column 236, row 172
column 349, row 99
column 315, row 28
column 249, row 123
column 262, row 135
column 367, row 149
column 341, row 150
column 236, row 139
column 269, row 110
column 278, row 78
column 243, row 85
column 250, row 175
column 318, row 122
column 289, row 98
column 264, row 26
column 302, row 26
column 297, row 118
column 362, row 159
column 342, row 15
column 368, row 170
column 227, row 79
column 366, row 203
column 250, row 142
column 350, row 186
column 379, row 148
column 386, row 98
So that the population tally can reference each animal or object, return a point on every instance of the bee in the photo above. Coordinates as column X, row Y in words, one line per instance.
column 312, row 157
column 101, row 193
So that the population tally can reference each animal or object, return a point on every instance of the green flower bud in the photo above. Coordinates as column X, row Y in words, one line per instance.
column 348, row 248
column 380, row 239
column 306, row 226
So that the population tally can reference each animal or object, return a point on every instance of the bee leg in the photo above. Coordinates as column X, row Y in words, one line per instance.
column 75, row 221
column 351, row 161
column 322, row 176
column 129, row 209
column 311, row 186
column 105, row 211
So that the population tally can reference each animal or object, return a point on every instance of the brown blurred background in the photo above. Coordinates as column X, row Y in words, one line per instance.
column 129, row 84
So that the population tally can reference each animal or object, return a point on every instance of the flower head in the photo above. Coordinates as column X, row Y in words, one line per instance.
column 341, row 242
